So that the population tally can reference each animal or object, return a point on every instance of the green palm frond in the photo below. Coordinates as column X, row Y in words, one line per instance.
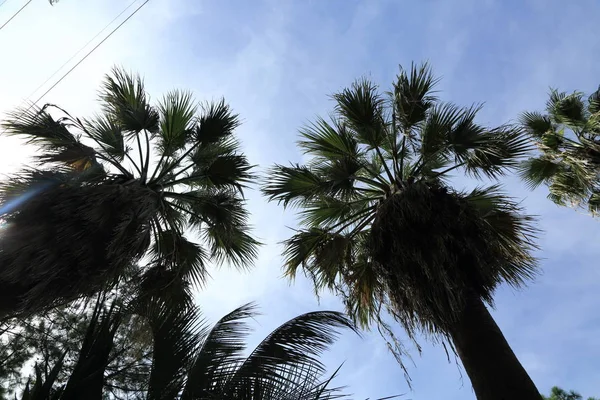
column 177, row 115
column 216, row 123
column 189, row 259
column 362, row 107
column 220, row 217
column 294, row 185
column 109, row 135
column 513, row 230
column 501, row 149
column 413, row 95
column 125, row 102
column 568, row 109
column 536, row 123
column 52, row 136
column 328, row 140
column 537, row 171
column 288, row 356
column 594, row 102
column 219, row 355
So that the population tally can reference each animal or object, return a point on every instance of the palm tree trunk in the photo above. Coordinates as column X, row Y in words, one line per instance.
column 494, row 370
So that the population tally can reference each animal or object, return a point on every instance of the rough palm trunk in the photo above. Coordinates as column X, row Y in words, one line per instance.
column 494, row 370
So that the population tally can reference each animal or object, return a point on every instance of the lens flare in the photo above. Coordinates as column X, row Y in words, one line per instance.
column 14, row 203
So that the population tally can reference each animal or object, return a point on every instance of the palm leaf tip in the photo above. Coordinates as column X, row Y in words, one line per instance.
column 124, row 98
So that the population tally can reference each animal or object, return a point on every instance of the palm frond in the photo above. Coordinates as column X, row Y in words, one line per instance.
column 125, row 102
column 594, row 102
column 513, row 231
column 290, row 353
column 535, row 123
column 537, row 171
column 216, row 122
column 413, row 95
column 299, row 251
column 293, row 185
column 177, row 116
column 569, row 109
column 188, row 259
column 58, row 144
column 329, row 210
column 228, row 170
column 108, row 134
column 361, row 107
column 436, row 129
column 331, row 141
column 221, row 218
column 220, row 354
column 500, row 149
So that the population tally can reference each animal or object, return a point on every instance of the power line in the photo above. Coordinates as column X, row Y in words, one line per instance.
column 91, row 51
column 79, row 51
column 15, row 14
column 87, row 55
column 4, row 1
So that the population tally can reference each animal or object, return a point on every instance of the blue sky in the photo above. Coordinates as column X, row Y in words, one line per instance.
column 276, row 62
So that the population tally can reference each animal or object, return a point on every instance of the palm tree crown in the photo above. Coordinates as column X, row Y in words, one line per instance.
column 380, row 224
column 568, row 137
column 125, row 184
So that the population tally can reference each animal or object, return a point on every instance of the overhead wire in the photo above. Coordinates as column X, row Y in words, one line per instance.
column 91, row 51
column 32, row 104
column 15, row 14
column 81, row 49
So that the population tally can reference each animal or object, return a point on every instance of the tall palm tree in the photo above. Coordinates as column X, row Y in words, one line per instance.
column 380, row 225
column 128, row 183
column 189, row 360
column 568, row 138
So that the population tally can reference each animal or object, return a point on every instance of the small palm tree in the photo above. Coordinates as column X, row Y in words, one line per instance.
column 381, row 226
column 191, row 361
column 568, row 137
column 128, row 183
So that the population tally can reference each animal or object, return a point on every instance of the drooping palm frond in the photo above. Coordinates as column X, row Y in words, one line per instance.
column 219, row 354
column 145, row 175
column 288, row 357
column 379, row 223
column 568, row 138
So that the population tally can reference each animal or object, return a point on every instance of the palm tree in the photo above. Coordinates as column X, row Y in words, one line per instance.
column 190, row 361
column 568, row 138
column 128, row 183
column 380, row 225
